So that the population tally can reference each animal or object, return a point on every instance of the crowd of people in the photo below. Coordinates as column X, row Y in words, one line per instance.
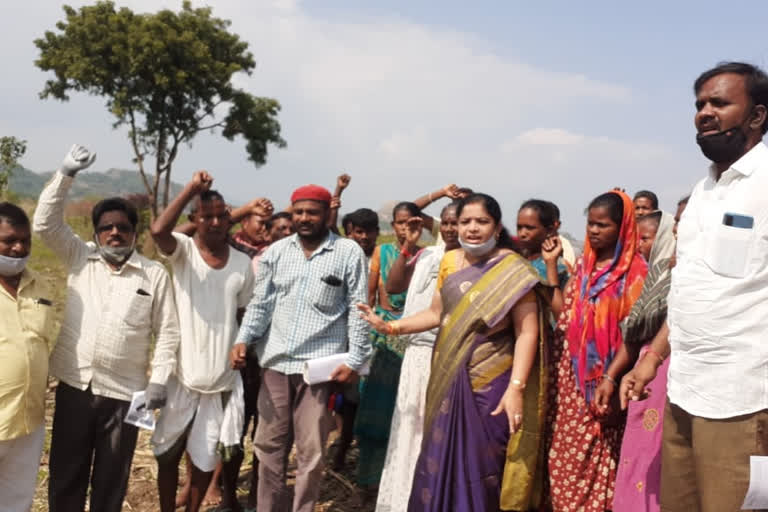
column 480, row 372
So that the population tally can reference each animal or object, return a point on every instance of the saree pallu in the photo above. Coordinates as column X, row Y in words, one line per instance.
column 583, row 452
column 468, row 460
column 378, row 392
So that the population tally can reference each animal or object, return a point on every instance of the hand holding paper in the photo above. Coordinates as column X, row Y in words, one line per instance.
column 324, row 369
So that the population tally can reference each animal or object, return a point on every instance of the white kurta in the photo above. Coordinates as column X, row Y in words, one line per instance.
column 408, row 420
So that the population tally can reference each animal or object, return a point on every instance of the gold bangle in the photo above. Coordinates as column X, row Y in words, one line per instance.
column 394, row 327
column 518, row 383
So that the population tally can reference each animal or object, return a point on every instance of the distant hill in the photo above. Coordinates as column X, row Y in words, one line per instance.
column 113, row 182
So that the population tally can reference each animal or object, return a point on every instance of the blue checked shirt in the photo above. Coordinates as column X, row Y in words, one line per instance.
column 303, row 308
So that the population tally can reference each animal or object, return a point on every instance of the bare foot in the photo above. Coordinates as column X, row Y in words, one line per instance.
column 183, row 494
column 212, row 495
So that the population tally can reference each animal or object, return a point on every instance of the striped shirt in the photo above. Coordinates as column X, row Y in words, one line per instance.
column 304, row 308
column 111, row 316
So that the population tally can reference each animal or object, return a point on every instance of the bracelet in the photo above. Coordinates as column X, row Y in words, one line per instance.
column 394, row 328
column 611, row 379
column 658, row 356
column 518, row 383
column 406, row 254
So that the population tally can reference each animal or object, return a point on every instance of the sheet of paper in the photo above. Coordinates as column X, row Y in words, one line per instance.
column 138, row 414
column 320, row 369
column 757, row 494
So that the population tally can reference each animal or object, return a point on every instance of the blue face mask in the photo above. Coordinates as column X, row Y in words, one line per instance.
column 478, row 250
column 10, row 267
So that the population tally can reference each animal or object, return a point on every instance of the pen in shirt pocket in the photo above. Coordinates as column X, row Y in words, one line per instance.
column 331, row 280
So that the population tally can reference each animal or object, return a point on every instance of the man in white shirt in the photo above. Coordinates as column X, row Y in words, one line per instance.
column 716, row 415
column 117, row 301
column 212, row 282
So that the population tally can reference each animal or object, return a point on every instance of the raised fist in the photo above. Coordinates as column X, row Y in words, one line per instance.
column 77, row 159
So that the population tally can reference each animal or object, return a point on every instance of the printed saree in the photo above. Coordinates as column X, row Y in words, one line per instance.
column 583, row 449
column 638, row 481
column 468, row 460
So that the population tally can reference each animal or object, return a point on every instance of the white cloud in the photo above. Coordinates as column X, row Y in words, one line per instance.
column 546, row 137
column 403, row 107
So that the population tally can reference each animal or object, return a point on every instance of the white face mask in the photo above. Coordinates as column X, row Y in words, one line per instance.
column 478, row 250
column 116, row 255
column 10, row 267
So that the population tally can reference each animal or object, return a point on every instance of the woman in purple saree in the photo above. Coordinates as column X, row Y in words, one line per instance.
column 482, row 447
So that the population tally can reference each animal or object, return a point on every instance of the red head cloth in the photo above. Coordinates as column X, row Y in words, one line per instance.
column 311, row 193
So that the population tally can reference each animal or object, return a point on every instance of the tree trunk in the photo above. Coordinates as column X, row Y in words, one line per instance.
column 167, row 191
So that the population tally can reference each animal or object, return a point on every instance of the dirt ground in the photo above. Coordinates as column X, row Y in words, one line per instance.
column 337, row 492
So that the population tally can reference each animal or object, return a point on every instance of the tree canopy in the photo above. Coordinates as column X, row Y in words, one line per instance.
column 11, row 149
column 166, row 76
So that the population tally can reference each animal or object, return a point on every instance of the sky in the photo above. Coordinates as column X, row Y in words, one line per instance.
column 557, row 100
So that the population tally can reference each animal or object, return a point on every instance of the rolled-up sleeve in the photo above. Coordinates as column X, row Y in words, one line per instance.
column 165, row 326
column 258, row 314
column 357, row 329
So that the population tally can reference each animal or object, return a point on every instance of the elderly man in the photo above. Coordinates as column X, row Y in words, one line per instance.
column 117, row 302
column 26, row 338
column 717, row 413
column 303, row 307
column 212, row 282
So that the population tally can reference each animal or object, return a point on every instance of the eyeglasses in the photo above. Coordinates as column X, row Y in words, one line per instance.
column 121, row 227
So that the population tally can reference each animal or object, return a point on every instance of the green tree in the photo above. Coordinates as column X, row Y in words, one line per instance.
column 167, row 76
column 11, row 149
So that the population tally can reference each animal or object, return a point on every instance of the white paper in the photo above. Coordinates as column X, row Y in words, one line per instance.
column 138, row 414
column 757, row 494
column 320, row 369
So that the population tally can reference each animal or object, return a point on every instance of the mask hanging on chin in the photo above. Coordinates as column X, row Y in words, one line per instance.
column 10, row 267
column 478, row 250
column 725, row 146
column 115, row 255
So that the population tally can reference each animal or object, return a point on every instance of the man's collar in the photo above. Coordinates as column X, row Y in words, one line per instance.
column 27, row 277
column 326, row 245
column 749, row 162
column 134, row 260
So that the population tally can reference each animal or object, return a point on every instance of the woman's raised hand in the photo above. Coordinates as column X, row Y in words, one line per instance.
column 551, row 249
column 413, row 232
column 367, row 314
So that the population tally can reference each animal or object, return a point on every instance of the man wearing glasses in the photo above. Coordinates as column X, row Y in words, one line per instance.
column 117, row 301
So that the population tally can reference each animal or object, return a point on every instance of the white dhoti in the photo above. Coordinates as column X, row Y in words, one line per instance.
column 208, row 421
column 407, row 430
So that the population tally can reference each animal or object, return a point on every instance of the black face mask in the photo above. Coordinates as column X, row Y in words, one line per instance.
column 725, row 146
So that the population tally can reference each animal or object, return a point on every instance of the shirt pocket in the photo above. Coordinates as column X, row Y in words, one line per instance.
column 139, row 312
column 37, row 317
column 728, row 251
column 329, row 297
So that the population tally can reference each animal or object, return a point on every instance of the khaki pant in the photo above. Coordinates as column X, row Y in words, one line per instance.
column 705, row 462
column 290, row 409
